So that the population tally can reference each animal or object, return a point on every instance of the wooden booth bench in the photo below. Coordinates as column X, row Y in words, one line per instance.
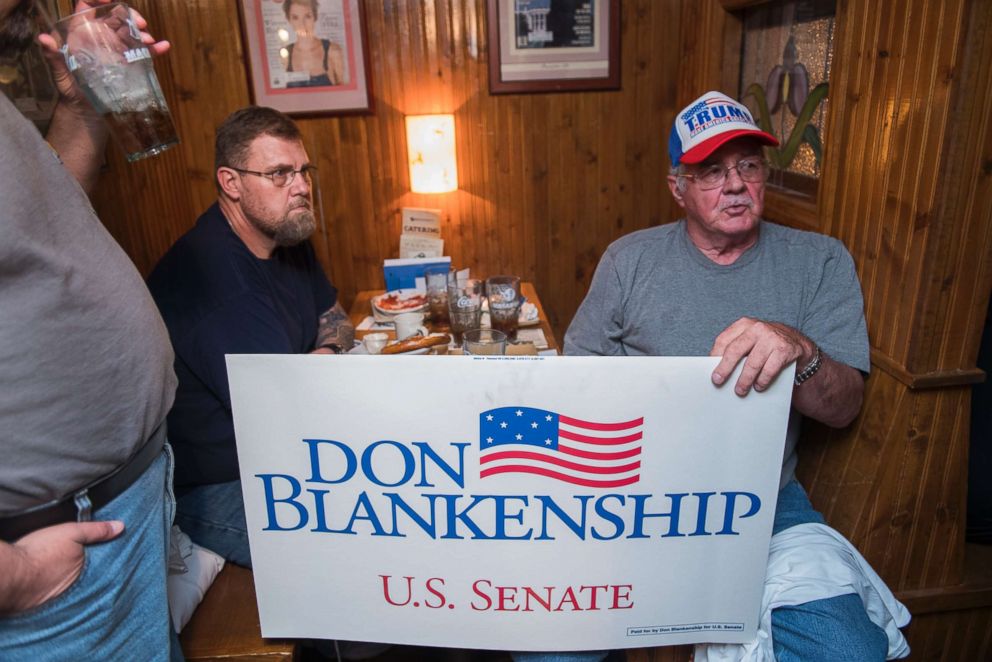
column 225, row 626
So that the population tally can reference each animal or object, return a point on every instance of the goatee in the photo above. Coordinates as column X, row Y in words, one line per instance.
column 18, row 29
column 295, row 229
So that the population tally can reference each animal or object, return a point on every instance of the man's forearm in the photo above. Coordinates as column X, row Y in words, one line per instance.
column 79, row 136
column 335, row 329
column 832, row 396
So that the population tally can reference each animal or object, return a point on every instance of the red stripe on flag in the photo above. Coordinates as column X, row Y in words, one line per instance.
column 590, row 455
column 548, row 473
column 540, row 457
column 605, row 427
column 609, row 441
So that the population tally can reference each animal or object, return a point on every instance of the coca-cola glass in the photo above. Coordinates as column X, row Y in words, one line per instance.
column 113, row 67
column 436, row 280
column 504, row 297
column 464, row 306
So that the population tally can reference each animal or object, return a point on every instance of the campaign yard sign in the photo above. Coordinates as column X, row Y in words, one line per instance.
column 526, row 503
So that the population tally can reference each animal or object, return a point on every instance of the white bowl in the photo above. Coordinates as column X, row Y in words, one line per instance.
column 374, row 342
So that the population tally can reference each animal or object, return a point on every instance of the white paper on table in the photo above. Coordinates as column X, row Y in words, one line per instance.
column 369, row 324
column 534, row 335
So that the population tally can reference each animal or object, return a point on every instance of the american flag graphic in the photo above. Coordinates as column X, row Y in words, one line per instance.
column 544, row 443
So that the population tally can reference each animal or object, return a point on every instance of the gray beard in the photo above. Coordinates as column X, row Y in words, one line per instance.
column 294, row 229
column 17, row 30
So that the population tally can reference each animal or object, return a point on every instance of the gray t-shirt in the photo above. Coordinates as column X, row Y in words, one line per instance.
column 85, row 359
column 654, row 293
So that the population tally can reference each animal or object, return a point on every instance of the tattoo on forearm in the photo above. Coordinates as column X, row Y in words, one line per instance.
column 336, row 328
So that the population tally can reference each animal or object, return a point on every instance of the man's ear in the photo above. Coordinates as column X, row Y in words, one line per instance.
column 673, row 186
column 229, row 182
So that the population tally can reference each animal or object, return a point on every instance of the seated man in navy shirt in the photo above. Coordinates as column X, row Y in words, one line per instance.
column 243, row 280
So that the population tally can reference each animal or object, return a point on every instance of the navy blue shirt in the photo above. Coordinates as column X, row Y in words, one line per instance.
column 217, row 298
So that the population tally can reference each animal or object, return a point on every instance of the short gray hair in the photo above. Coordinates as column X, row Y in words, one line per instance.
column 236, row 134
column 677, row 172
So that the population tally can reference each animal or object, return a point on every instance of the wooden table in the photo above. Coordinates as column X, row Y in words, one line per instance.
column 362, row 308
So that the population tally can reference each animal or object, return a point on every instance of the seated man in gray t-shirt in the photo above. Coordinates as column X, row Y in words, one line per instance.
column 722, row 282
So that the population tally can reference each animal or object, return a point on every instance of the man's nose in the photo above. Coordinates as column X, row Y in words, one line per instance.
column 733, row 182
column 300, row 184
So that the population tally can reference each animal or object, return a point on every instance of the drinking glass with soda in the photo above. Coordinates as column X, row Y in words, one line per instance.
column 504, row 297
column 464, row 306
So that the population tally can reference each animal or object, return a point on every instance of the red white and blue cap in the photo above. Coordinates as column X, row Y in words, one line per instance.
column 707, row 123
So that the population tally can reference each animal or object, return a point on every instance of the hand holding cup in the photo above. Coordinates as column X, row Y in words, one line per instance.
column 110, row 59
column 64, row 82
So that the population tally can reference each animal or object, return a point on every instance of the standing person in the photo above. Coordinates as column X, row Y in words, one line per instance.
column 85, row 507
column 321, row 58
column 727, row 283
column 243, row 280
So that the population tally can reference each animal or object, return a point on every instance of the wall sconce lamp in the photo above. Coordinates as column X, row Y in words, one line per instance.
column 430, row 144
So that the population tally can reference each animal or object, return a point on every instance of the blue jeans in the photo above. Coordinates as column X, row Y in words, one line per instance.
column 213, row 516
column 575, row 656
column 117, row 609
column 835, row 630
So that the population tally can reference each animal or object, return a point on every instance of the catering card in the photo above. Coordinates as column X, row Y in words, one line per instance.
column 421, row 222
column 569, row 503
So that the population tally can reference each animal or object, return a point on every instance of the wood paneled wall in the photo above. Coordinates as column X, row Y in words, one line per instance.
column 907, row 185
column 546, row 180
column 912, row 201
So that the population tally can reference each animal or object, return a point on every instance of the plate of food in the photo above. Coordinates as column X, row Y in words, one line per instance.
column 417, row 344
column 395, row 302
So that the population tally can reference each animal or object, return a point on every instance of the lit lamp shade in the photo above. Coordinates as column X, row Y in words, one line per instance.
column 430, row 141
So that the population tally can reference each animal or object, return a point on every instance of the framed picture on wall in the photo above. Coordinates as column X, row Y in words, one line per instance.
column 307, row 57
column 553, row 45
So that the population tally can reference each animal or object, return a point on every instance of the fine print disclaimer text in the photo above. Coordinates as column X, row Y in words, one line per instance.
column 684, row 627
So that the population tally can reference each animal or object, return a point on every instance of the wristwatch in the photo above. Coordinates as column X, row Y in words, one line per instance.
column 334, row 347
column 810, row 368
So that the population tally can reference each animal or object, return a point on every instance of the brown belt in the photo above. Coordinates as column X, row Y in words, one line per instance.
column 100, row 493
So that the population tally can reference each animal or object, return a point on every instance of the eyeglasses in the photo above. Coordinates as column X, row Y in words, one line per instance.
column 752, row 169
column 281, row 177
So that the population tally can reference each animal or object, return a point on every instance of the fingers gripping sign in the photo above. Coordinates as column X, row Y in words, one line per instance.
column 767, row 349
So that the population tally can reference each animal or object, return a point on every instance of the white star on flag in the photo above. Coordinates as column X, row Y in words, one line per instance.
column 528, row 440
